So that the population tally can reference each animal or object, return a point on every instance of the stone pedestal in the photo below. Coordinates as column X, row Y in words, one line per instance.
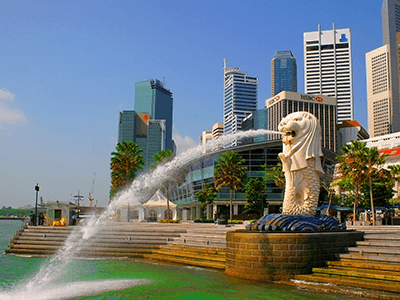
column 282, row 255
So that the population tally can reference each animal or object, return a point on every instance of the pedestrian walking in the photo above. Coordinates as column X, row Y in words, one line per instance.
column 32, row 219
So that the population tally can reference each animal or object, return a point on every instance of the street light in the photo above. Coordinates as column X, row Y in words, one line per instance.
column 37, row 189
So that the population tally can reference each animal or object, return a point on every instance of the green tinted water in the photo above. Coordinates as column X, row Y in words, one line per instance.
column 131, row 280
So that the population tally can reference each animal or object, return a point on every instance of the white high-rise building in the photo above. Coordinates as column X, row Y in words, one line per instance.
column 391, row 28
column 328, row 68
column 240, row 98
column 379, row 92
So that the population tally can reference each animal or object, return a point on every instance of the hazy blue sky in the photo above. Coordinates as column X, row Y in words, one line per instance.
column 68, row 67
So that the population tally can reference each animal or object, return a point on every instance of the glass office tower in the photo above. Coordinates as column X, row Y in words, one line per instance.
column 283, row 72
column 153, row 97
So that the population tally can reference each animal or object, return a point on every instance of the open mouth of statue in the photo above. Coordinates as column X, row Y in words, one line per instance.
column 289, row 133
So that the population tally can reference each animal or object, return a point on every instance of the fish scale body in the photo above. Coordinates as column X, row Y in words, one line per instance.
column 308, row 205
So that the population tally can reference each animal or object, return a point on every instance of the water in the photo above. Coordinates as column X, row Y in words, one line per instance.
column 102, row 280
column 62, row 277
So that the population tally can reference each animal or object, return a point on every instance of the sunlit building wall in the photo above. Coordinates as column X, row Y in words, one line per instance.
column 328, row 68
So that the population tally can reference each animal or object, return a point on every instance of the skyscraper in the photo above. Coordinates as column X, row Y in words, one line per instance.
column 328, row 68
column 153, row 97
column 381, row 116
column 322, row 107
column 283, row 72
column 150, row 124
column 149, row 134
column 240, row 97
column 390, row 27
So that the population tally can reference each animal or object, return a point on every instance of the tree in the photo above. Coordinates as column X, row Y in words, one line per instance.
column 230, row 172
column 206, row 196
column 373, row 160
column 256, row 196
column 125, row 162
column 328, row 186
column 162, row 157
column 362, row 165
column 382, row 190
column 276, row 175
column 350, row 166
column 395, row 176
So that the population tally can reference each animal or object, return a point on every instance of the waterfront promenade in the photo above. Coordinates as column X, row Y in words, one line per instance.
column 373, row 265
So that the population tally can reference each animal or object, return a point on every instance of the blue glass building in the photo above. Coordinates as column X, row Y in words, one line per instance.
column 256, row 120
column 152, row 97
column 150, row 124
column 283, row 72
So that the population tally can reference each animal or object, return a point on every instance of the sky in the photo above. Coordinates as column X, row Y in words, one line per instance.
column 68, row 67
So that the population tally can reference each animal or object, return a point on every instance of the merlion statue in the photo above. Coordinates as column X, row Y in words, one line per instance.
column 301, row 162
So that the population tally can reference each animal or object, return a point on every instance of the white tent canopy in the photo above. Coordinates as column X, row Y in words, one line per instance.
column 156, row 208
column 159, row 200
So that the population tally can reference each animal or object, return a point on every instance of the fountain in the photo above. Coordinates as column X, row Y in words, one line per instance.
column 295, row 241
column 142, row 188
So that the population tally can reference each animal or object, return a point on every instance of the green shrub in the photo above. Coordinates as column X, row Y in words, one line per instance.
column 203, row 221
column 169, row 221
column 235, row 221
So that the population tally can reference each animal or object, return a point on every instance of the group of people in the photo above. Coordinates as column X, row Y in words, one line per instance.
column 32, row 219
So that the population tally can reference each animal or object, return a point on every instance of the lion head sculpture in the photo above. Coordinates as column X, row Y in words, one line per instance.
column 301, row 140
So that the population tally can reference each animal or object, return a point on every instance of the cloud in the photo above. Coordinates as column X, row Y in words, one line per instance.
column 183, row 143
column 6, row 95
column 7, row 114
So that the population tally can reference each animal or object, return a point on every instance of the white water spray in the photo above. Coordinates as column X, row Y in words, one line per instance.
column 143, row 186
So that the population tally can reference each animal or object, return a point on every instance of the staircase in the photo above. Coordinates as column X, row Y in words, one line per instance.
column 373, row 265
column 203, row 246
column 114, row 241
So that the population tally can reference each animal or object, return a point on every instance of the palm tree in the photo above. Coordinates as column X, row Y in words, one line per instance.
column 361, row 164
column 162, row 157
column 373, row 159
column 124, row 164
column 276, row 175
column 230, row 172
column 395, row 175
column 350, row 166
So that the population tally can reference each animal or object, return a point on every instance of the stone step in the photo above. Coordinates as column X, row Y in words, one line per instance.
column 81, row 255
column 187, row 261
column 199, row 244
column 382, row 237
column 104, row 234
column 375, row 250
column 161, row 241
column 371, row 265
column 371, row 257
column 378, row 285
column 24, row 238
column 359, row 273
column 94, row 247
column 379, row 243
column 200, row 239
column 206, row 250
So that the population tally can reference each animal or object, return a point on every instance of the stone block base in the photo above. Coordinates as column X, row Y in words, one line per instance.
column 282, row 255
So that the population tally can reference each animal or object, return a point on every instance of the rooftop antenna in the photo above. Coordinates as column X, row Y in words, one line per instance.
column 224, row 63
column 164, row 81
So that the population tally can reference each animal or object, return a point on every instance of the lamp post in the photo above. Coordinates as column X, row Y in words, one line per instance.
column 37, row 189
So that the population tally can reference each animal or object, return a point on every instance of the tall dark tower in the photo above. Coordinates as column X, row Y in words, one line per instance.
column 283, row 72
